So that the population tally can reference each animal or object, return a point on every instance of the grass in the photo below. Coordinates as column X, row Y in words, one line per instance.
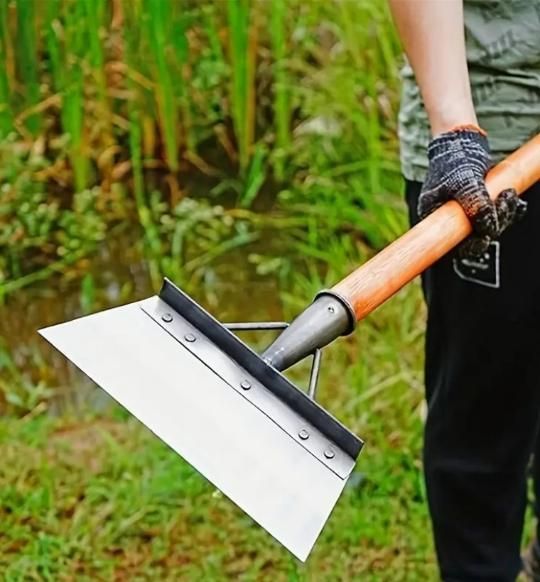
column 229, row 145
column 101, row 498
column 91, row 495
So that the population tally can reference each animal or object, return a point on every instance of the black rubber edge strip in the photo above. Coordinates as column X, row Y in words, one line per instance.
column 278, row 384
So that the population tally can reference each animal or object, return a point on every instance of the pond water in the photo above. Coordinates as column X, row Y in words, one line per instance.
column 116, row 274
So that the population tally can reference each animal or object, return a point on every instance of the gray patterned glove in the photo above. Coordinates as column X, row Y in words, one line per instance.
column 458, row 163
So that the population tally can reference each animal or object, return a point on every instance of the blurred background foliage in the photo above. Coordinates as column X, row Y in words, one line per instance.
column 143, row 104
column 224, row 144
column 246, row 149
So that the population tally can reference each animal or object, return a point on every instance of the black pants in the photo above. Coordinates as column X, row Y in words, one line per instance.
column 483, row 394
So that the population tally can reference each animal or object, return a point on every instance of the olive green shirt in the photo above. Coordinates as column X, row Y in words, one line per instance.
column 503, row 52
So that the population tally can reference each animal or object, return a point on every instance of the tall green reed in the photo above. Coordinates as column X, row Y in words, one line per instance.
column 371, row 54
column 94, row 14
column 157, row 15
column 6, row 118
column 281, row 86
column 66, row 43
column 242, row 57
column 27, row 62
column 179, row 52
column 132, row 40
column 73, row 94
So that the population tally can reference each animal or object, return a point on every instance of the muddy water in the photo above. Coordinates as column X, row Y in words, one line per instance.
column 117, row 274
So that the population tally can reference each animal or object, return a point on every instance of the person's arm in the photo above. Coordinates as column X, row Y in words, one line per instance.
column 433, row 36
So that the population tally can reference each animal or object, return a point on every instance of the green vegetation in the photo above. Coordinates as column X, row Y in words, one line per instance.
column 269, row 106
column 102, row 498
column 244, row 149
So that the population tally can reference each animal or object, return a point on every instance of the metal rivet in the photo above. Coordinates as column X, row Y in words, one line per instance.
column 167, row 317
column 331, row 309
column 303, row 434
column 190, row 337
column 329, row 454
column 245, row 384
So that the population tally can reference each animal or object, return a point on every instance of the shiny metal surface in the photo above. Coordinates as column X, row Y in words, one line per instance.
column 288, row 489
column 314, row 374
column 320, row 323
column 258, row 394
column 279, row 325
column 275, row 382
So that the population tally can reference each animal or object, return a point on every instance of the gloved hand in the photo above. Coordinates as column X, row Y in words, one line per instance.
column 458, row 163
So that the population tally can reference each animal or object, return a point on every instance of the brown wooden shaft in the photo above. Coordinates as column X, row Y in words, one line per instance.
column 387, row 272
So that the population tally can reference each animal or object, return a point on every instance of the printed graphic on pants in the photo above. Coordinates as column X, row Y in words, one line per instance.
column 482, row 270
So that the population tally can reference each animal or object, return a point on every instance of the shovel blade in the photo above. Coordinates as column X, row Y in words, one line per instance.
column 235, row 445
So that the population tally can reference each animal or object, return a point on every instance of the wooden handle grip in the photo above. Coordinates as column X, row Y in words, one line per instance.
column 411, row 254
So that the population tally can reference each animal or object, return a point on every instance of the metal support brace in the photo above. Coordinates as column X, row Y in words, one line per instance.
column 280, row 325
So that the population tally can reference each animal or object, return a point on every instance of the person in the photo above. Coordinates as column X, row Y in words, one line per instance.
column 470, row 96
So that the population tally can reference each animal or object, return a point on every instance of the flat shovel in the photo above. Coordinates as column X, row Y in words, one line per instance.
column 230, row 412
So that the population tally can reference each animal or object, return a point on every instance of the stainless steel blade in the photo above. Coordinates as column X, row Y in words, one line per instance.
column 235, row 445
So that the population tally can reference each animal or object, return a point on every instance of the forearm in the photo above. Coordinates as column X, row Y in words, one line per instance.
column 433, row 37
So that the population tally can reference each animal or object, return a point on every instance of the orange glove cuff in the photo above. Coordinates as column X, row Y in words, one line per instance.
column 468, row 127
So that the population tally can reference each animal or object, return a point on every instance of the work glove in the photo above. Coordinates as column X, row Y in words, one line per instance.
column 458, row 163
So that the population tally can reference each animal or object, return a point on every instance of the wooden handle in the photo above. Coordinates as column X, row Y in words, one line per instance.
column 411, row 254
